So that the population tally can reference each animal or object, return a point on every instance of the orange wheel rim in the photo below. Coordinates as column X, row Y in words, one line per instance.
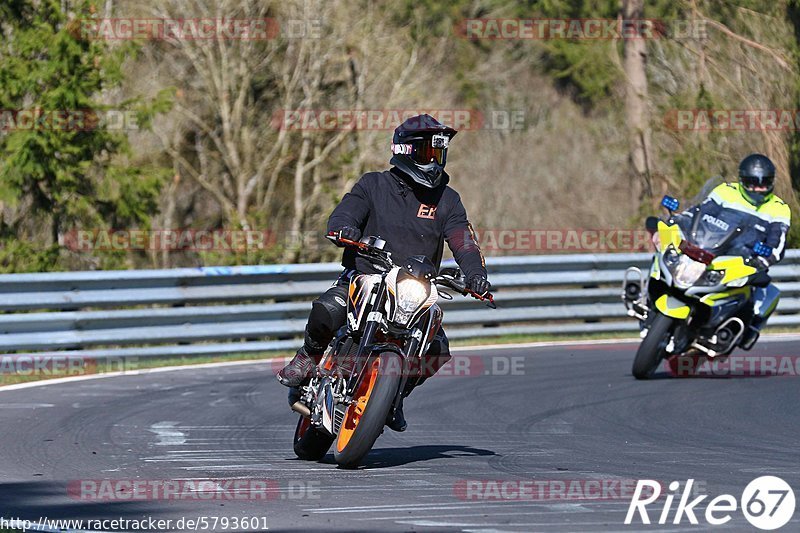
column 356, row 409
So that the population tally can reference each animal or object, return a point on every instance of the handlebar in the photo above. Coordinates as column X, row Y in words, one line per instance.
column 334, row 238
column 753, row 261
column 487, row 298
column 448, row 281
column 460, row 287
column 365, row 249
column 703, row 256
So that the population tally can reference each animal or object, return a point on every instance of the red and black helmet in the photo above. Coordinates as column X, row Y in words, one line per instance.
column 419, row 149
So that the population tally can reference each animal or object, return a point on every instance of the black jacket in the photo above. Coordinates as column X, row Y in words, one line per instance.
column 411, row 219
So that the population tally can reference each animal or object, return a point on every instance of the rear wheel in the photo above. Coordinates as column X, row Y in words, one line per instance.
column 310, row 443
column 653, row 347
column 365, row 417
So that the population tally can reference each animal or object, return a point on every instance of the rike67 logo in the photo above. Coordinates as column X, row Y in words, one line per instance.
column 767, row 503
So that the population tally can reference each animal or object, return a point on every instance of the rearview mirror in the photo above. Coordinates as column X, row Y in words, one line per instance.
column 651, row 224
column 452, row 272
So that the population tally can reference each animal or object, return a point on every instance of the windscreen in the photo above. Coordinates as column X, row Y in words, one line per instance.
column 716, row 232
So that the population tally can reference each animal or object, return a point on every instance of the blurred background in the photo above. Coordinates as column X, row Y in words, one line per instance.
column 141, row 128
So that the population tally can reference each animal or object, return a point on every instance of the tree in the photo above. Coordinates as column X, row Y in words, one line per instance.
column 636, row 102
column 67, row 169
column 232, row 132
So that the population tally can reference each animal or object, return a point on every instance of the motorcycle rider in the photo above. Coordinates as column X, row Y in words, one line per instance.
column 414, row 210
column 767, row 222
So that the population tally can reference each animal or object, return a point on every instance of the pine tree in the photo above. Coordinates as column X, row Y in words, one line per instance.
column 66, row 167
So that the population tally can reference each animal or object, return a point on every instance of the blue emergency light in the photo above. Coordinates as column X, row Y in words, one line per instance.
column 670, row 203
column 762, row 249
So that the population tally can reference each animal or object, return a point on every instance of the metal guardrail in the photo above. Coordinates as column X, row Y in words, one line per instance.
column 220, row 310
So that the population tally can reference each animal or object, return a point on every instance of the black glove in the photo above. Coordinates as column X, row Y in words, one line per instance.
column 350, row 233
column 761, row 262
column 479, row 284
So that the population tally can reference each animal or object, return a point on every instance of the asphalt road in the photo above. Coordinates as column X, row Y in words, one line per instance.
column 558, row 419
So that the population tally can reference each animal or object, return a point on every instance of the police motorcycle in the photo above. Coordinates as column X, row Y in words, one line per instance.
column 697, row 297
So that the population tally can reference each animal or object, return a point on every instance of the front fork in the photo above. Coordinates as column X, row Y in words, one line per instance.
column 636, row 298
column 367, row 346
column 375, row 318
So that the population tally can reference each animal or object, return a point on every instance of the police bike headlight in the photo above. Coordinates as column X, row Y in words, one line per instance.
column 687, row 271
column 671, row 257
column 711, row 278
column 411, row 294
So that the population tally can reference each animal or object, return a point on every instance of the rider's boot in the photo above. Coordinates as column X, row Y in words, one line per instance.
column 765, row 300
column 397, row 421
column 299, row 368
column 751, row 333
column 431, row 365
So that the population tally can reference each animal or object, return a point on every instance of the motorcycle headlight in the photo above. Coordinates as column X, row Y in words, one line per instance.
column 671, row 257
column 712, row 277
column 410, row 295
column 687, row 271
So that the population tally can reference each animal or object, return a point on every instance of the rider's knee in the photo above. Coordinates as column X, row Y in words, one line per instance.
column 327, row 315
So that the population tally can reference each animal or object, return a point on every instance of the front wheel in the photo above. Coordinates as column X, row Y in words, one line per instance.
column 364, row 419
column 653, row 347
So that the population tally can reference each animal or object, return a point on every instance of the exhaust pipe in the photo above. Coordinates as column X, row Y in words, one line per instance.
column 724, row 337
column 301, row 408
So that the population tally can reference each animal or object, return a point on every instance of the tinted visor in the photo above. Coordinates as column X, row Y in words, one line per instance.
column 424, row 153
column 751, row 182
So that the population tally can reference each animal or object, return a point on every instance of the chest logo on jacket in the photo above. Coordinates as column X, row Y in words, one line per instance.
column 426, row 211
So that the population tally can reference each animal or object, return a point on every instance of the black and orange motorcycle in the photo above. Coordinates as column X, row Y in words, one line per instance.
column 392, row 318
